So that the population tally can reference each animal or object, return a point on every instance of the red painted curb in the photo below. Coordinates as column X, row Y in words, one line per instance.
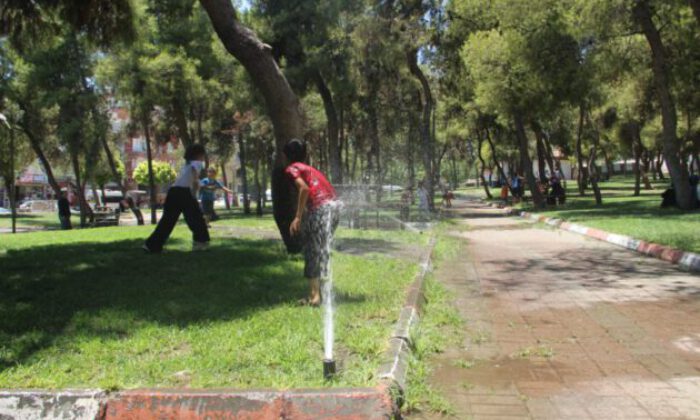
column 343, row 404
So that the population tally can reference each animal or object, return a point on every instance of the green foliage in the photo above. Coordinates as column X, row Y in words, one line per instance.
column 163, row 173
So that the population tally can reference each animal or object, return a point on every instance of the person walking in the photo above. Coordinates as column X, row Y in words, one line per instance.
column 181, row 200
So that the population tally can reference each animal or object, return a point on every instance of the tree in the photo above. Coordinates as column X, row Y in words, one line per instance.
column 282, row 103
column 163, row 173
column 17, row 86
column 14, row 154
column 643, row 15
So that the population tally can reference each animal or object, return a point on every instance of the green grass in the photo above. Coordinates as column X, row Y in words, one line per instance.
column 86, row 308
column 31, row 221
column 440, row 327
column 639, row 217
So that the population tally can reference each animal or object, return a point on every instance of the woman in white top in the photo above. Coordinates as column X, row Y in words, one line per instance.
column 181, row 199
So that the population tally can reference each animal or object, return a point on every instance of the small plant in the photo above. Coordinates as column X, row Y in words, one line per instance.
column 541, row 351
column 480, row 338
column 467, row 386
column 464, row 364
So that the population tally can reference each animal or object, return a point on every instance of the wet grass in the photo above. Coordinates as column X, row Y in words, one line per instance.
column 87, row 308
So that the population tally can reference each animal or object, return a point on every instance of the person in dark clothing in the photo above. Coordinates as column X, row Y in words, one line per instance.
column 64, row 212
column 181, row 200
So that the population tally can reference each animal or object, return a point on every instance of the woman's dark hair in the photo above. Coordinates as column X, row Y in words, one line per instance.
column 295, row 150
column 194, row 151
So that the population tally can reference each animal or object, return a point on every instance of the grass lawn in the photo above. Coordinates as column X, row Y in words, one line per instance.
column 640, row 217
column 86, row 308
column 31, row 221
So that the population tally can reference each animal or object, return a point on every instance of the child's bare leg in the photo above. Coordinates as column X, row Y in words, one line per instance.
column 315, row 291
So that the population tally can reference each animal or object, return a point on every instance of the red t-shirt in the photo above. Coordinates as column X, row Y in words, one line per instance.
column 320, row 190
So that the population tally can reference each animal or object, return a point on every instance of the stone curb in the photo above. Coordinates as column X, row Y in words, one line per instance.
column 40, row 404
column 394, row 370
column 688, row 261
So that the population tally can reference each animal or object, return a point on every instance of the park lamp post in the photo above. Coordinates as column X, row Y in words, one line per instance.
column 13, row 193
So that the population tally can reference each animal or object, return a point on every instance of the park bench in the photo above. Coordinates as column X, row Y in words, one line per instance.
column 105, row 217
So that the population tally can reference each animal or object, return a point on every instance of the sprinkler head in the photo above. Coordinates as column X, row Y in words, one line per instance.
column 328, row 369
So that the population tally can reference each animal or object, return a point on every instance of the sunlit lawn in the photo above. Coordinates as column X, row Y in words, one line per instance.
column 87, row 308
column 640, row 217
column 32, row 221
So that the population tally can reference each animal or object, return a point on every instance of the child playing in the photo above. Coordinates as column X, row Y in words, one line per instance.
column 181, row 199
column 207, row 195
column 316, row 217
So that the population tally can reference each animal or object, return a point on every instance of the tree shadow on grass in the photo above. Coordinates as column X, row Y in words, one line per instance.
column 110, row 289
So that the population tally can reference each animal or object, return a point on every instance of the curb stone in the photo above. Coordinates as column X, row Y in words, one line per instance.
column 36, row 404
column 394, row 370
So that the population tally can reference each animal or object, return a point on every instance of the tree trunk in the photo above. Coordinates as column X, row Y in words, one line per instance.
column 428, row 150
column 497, row 162
column 409, row 151
column 582, row 175
column 637, row 168
column 151, row 178
column 659, row 165
column 82, row 202
column 480, row 142
column 695, row 4
column 282, row 104
column 595, row 177
column 608, row 163
column 334, row 158
column 256, row 179
column 526, row 163
column 181, row 123
column 671, row 146
column 646, row 165
column 541, row 163
column 11, row 192
column 227, row 201
column 244, row 175
column 35, row 144
column 548, row 153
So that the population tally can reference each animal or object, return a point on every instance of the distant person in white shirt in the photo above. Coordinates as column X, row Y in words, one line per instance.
column 181, row 198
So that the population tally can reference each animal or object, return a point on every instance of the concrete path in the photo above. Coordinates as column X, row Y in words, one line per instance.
column 562, row 326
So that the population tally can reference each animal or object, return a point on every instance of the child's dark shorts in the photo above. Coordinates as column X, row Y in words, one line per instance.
column 318, row 227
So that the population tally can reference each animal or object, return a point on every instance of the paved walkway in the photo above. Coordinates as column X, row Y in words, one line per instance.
column 562, row 326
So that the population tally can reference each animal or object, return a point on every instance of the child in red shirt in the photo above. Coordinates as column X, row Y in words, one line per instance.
column 316, row 217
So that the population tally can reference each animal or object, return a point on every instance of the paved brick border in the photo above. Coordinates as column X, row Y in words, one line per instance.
column 689, row 261
column 381, row 402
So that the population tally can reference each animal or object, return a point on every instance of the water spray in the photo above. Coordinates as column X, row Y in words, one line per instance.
column 329, row 369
